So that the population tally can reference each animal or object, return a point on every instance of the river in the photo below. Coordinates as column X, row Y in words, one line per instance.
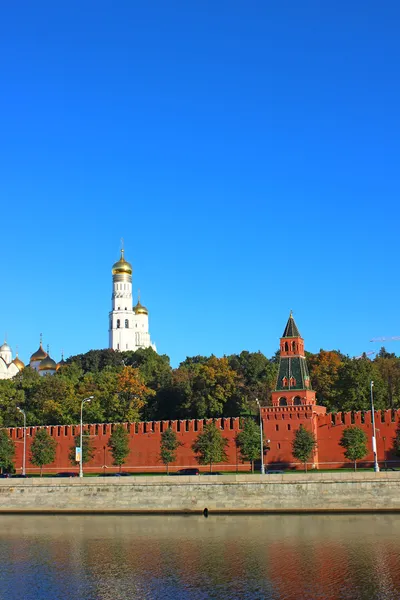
column 273, row 557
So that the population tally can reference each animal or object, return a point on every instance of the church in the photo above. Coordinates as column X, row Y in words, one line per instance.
column 128, row 327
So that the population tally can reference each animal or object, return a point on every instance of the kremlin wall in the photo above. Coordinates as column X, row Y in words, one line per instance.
column 293, row 404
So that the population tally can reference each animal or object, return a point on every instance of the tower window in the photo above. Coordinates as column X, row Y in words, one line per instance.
column 286, row 347
column 126, row 323
column 118, row 323
column 284, row 382
column 292, row 381
column 282, row 402
column 117, row 346
column 294, row 346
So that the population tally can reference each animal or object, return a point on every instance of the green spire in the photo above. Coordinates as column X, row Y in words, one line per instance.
column 291, row 328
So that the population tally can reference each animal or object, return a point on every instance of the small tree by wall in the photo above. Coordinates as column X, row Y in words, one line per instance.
column 354, row 440
column 248, row 441
column 7, row 452
column 119, row 445
column 43, row 449
column 168, row 447
column 303, row 445
column 87, row 450
column 209, row 446
column 396, row 442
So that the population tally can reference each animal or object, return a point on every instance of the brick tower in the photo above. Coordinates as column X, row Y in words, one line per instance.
column 293, row 387
column 293, row 400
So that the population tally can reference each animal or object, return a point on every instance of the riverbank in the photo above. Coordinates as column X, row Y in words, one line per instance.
column 298, row 493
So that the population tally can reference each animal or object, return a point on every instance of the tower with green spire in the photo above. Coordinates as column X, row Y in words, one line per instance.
column 293, row 386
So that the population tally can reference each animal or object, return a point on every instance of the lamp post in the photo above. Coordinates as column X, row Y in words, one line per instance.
column 24, row 451
column 376, row 465
column 261, row 439
column 81, row 440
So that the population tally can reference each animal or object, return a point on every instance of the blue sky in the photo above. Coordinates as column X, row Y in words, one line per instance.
column 248, row 153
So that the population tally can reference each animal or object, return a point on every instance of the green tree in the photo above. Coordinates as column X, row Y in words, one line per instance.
column 87, row 450
column 119, row 445
column 43, row 449
column 209, row 446
column 303, row 445
column 354, row 440
column 7, row 452
column 248, row 442
column 168, row 447
column 396, row 443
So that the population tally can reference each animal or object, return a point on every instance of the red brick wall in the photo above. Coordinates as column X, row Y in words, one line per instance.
column 279, row 424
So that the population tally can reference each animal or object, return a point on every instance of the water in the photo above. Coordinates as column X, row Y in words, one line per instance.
column 177, row 557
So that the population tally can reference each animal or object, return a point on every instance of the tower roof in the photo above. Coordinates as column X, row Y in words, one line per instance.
column 291, row 328
column 122, row 266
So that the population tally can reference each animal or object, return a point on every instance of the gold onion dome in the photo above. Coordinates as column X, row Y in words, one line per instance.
column 48, row 364
column 61, row 363
column 140, row 309
column 40, row 354
column 122, row 266
column 18, row 363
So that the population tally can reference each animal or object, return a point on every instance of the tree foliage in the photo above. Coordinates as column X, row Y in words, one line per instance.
column 210, row 445
column 43, row 449
column 7, row 452
column 168, row 447
column 303, row 445
column 141, row 385
column 354, row 440
column 119, row 445
column 249, row 442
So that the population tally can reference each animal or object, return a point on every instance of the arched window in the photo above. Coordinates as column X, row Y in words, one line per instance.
column 118, row 323
column 292, row 382
column 282, row 402
column 126, row 323
column 284, row 381
column 297, row 401
column 286, row 347
column 294, row 346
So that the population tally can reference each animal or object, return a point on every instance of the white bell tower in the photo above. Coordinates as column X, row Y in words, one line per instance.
column 128, row 326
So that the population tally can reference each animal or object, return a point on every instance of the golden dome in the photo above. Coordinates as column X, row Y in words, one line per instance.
column 48, row 364
column 18, row 363
column 61, row 363
column 122, row 266
column 140, row 309
column 40, row 354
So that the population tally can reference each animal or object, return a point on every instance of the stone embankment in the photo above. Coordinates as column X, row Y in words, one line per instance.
column 294, row 492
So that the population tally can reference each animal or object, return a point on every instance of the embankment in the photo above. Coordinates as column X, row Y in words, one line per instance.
column 297, row 492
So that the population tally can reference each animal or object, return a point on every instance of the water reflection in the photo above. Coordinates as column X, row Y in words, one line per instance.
column 249, row 557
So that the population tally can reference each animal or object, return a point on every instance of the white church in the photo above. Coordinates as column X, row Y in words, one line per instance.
column 129, row 325
column 128, row 328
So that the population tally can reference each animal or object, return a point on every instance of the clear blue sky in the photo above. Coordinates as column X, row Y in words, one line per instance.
column 248, row 152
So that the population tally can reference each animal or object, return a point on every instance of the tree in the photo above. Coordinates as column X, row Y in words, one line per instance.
column 354, row 440
column 168, row 447
column 7, row 451
column 43, row 449
column 248, row 442
column 303, row 445
column 119, row 445
column 87, row 450
column 396, row 444
column 210, row 446
column 324, row 372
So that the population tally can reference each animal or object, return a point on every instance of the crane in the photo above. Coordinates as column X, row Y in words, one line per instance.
column 394, row 338
column 365, row 354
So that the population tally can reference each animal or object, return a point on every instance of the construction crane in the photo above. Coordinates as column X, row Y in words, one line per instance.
column 365, row 354
column 394, row 338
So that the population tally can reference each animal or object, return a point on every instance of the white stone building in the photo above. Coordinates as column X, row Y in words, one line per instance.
column 128, row 324
column 40, row 361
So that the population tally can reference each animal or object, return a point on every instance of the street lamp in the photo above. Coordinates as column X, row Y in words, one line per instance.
column 376, row 465
column 261, row 439
column 81, row 440
column 24, row 451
